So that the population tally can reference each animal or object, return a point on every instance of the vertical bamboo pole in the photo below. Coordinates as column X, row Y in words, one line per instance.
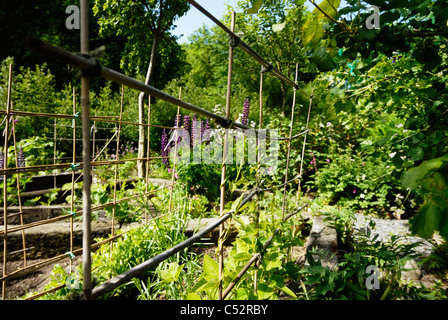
column 289, row 143
column 224, row 160
column 117, row 154
column 257, row 213
column 54, row 151
column 93, row 149
column 5, row 184
column 85, row 105
column 175, row 153
column 148, row 153
column 72, row 201
column 260, row 126
column 19, row 198
column 304, row 140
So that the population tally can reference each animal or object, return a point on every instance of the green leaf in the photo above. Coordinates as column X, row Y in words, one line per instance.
column 416, row 154
column 427, row 220
column 242, row 256
column 237, row 204
column 436, row 184
column 171, row 273
column 264, row 291
column 204, row 285
column 192, row 296
column 312, row 31
column 256, row 5
column 413, row 177
column 322, row 59
column 350, row 9
column 211, row 268
column 273, row 265
column 279, row 283
column 329, row 7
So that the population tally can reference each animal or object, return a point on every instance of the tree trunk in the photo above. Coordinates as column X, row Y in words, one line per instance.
column 141, row 110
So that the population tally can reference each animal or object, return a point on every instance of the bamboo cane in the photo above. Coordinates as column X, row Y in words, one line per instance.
column 291, row 125
column 224, row 160
column 148, row 153
column 304, row 141
column 117, row 154
column 5, row 184
column 72, row 200
column 19, row 198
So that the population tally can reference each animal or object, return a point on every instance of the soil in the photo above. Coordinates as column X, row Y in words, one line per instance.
column 33, row 282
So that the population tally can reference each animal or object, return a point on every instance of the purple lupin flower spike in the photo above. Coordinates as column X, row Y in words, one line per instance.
column 187, row 123
column 164, row 147
column 246, row 108
column 206, row 131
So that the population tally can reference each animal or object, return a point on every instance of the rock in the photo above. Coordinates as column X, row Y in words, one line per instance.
column 324, row 237
column 411, row 270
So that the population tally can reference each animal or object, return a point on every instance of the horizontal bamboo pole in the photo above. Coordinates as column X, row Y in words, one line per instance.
column 94, row 67
column 36, row 266
column 71, row 117
column 78, row 213
column 126, row 276
column 40, row 294
column 245, row 47
column 60, row 166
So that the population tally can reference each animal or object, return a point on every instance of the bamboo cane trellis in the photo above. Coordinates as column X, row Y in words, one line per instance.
column 92, row 68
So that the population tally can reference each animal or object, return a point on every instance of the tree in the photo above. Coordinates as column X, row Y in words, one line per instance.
column 139, row 21
column 46, row 20
column 273, row 28
column 398, row 69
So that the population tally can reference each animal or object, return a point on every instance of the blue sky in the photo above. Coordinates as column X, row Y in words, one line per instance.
column 194, row 19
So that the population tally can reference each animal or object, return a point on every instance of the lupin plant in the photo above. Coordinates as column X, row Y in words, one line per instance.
column 205, row 131
column 165, row 148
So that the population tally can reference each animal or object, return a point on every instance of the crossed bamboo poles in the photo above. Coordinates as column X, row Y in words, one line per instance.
column 91, row 68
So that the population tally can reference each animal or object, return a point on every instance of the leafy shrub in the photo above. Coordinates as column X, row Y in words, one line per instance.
column 357, row 183
column 273, row 269
column 348, row 280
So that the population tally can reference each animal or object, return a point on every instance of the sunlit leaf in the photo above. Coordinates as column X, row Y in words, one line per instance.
column 329, row 7
column 256, row 5
column 312, row 31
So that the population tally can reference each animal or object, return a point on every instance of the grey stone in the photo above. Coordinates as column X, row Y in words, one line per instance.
column 411, row 270
column 324, row 237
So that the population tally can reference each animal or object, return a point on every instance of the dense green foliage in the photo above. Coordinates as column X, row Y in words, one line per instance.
column 377, row 142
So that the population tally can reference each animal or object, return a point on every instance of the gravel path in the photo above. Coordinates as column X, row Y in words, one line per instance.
column 387, row 227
